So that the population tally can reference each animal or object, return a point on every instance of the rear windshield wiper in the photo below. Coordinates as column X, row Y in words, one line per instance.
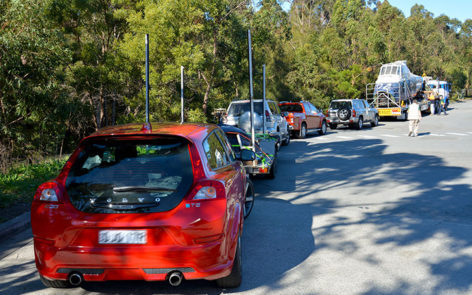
column 141, row 189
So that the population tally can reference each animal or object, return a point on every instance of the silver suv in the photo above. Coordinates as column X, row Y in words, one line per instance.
column 238, row 114
column 352, row 113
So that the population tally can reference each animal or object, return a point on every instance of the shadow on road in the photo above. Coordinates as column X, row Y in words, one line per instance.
column 281, row 232
column 310, row 169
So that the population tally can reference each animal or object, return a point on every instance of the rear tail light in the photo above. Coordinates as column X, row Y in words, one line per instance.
column 353, row 113
column 48, row 192
column 264, row 170
column 208, row 190
column 290, row 118
column 205, row 193
column 267, row 116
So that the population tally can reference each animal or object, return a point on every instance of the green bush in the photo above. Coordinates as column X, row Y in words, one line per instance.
column 20, row 183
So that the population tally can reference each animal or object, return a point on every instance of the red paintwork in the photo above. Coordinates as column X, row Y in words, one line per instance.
column 296, row 119
column 203, row 238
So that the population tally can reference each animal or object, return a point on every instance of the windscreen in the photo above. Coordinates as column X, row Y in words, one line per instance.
column 113, row 175
column 390, row 70
column 237, row 109
column 293, row 108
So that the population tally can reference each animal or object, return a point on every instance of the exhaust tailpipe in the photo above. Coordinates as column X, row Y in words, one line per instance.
column 175, row 278
column 75, row 279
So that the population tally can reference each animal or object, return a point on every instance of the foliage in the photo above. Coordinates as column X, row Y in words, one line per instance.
column 31, row 82
column 19, row 184
column 69, row 67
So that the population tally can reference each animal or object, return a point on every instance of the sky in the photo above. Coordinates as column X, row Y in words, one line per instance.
column 460, row 9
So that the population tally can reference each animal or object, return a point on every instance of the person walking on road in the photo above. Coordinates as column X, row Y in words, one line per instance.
column 414, row 117
column 437, row 104
column 443, row 106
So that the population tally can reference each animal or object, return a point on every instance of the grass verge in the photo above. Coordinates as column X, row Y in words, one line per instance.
column 19, row 184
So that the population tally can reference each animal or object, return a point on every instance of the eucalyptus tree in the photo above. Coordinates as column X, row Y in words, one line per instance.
column 32, row 66
column 203, row 36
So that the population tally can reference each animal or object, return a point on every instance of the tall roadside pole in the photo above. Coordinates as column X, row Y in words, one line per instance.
column 147, row 79
column 253, row 138
column 181, row 94
column 263, row 98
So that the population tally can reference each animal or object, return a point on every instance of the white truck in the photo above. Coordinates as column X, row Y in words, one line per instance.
column 394, row 89
column 440, row 88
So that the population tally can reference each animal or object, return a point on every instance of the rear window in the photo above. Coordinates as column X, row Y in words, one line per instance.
column 113, row 175
column 340, row 105
column 293, row 108
column 239, row 108
column 215, row 152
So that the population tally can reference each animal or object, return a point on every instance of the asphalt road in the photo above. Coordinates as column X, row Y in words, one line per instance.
column 352, row 212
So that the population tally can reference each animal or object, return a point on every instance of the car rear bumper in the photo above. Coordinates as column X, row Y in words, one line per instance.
column 345, row 122
column 125, row 262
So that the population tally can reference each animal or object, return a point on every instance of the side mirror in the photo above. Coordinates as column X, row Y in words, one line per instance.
column 284, row 114
column 247, row 155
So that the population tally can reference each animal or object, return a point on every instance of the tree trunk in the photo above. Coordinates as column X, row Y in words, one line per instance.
column 207, row 94
column 113, row 112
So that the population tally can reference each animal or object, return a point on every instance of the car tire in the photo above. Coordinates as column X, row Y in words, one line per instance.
column 360, row 123
column 249, row 199
column 236, row 276
column 344, row 114
column 333, row 126
column 273, row 168
column 403, row 117
column 375, row 122
column 323, row 129
column 302, row 133
column 286, row 140
column 55, row 283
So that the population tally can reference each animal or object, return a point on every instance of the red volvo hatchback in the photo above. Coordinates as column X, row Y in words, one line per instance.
column 133, row 203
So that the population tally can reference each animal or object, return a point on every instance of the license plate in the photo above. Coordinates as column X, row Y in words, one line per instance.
column 122, row 237
column 390, row 112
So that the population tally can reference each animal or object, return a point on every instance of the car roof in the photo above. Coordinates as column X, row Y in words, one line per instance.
column 229, row 128
column 291, row 102
column 192, row 131
column 247, row 100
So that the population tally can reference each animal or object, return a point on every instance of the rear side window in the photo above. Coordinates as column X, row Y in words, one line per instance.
column 115, row 175
column 313, row 108
column 226, row 144
column 358, row 104
column 215, row 152
column 273, row 108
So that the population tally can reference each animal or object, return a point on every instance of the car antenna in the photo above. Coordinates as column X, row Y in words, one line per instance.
column 181, row 94
column 253, row 139
column 264, row 98
column 147, row 125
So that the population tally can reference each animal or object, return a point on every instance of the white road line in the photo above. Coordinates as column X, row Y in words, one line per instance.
column 459, row 134
column 344, row 137
column 321, row 138
column 388, row 135
column 469, row 132
column 433, row 134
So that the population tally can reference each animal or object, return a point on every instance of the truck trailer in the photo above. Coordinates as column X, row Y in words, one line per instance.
column 394, row 90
